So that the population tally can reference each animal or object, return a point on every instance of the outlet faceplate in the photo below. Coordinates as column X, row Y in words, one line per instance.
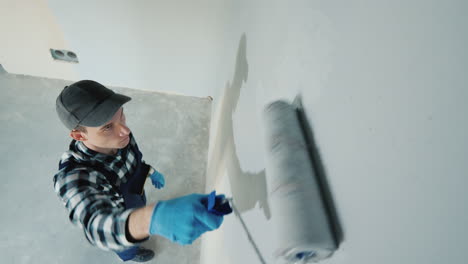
column 64, row 55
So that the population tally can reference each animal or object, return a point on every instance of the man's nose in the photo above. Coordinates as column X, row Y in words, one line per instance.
column 124, row 130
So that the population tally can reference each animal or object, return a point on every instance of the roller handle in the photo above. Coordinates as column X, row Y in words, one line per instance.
column 217, row 204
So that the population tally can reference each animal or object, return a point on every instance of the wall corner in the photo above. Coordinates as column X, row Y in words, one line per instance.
column 2, row 70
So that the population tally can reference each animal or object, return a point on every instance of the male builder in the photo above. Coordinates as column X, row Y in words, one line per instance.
column 101, row 177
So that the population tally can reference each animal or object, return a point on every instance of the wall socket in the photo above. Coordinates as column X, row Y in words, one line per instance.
column 64, row 55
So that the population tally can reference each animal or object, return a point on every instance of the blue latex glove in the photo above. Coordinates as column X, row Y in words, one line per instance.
column 183, row 219
column 157, row 179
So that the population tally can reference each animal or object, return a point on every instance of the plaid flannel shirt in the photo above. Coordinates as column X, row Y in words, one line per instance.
column 93, row 199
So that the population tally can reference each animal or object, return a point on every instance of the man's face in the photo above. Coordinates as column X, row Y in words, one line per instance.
column 110, row 136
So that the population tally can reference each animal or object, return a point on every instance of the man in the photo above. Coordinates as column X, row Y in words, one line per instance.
column 102, row 175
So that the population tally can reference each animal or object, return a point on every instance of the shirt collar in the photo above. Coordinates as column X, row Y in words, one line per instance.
column 92, row 154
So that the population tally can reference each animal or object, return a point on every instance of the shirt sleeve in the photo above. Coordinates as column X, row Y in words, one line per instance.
column 94, row 209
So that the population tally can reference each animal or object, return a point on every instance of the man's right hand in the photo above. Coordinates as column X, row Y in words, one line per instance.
column 183, row 219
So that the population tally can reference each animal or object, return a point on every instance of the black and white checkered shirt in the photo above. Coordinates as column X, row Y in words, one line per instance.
column 92, row 197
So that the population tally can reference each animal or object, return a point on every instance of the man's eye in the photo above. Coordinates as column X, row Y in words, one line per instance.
column 107, row 127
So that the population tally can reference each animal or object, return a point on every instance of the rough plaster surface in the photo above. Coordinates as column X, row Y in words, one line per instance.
column 172, row 133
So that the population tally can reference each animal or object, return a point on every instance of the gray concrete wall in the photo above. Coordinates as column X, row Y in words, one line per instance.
column 171, row 131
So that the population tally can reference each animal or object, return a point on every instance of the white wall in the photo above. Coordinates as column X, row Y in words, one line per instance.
column 29, row 30
column 384, row 86
column 170, row 46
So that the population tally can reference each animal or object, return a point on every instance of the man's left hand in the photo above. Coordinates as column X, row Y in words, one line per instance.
column 157, row 179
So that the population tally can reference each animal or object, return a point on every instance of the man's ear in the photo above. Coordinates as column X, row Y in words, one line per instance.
column 78, row 135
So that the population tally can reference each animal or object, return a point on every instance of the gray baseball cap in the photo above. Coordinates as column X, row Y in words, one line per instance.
column 88, row 103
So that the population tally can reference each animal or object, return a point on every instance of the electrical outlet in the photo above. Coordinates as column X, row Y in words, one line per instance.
column 64, row 55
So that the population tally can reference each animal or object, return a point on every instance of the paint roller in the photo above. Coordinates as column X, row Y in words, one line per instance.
column 302, row 226
column 300, row 219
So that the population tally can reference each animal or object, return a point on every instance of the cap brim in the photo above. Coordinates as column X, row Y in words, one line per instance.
column 105, row 111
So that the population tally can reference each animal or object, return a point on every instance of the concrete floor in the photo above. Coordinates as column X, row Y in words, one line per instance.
column 172, row 132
